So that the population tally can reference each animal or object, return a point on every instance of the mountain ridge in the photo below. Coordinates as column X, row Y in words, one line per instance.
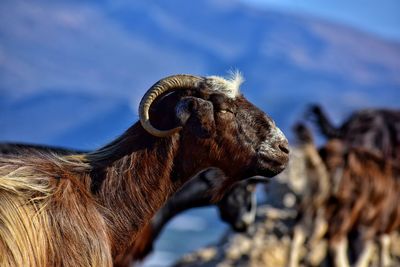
column 115, row 50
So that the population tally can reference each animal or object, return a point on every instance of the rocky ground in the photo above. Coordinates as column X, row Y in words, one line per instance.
column 267, row 243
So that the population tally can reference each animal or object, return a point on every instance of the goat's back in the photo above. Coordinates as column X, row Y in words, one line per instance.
column 48, row 217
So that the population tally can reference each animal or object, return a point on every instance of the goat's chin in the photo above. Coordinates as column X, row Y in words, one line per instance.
column 270, row 172
column 269, row 168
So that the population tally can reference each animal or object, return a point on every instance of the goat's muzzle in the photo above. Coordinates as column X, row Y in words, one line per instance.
column 273, row 155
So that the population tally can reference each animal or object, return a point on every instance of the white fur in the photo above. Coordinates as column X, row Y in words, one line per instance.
column 229, row 86
column 267, row 146
column 385, row 260
column 340, row 254
column 299, row 237
column 366, row 254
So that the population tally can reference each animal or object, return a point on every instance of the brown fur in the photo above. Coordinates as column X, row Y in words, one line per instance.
column 367, row 197
column 48, row 216
column 363, row 193
column 139, row 248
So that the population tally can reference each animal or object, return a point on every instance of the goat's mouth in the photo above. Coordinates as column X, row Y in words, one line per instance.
column 270, row 166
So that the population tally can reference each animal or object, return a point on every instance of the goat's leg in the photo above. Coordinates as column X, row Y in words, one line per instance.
column 385, row 259
column 321, row 227
column 366, row 254
column 299, row 236
column 317, row 250
column 339, row 250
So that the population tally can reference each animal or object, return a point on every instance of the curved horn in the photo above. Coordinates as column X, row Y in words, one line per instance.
column 181, row 81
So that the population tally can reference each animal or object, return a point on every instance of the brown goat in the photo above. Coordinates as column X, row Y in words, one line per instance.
column 366, row 200
column 83, row 210
column 363, row 197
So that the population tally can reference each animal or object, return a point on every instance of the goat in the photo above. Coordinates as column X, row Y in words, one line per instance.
column 366, row 200
column 374, row 129
column 237, row 207
column 82, row 210
column 310, row 218
column 363, row 197
column 377, row 130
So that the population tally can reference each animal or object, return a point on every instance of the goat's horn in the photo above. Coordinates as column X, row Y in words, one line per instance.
column 170, row 83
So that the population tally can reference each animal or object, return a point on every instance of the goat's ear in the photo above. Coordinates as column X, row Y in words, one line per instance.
column 197, row 116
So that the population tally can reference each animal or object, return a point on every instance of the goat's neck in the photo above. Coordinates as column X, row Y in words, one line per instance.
column 195, row 193
column 136, row 179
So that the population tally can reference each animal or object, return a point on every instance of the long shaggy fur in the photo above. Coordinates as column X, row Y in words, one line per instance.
column 47, row 214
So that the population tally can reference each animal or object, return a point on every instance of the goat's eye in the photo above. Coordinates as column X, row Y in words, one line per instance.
column 223, row 111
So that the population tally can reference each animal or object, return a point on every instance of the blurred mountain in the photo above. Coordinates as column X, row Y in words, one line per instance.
column 72, row 72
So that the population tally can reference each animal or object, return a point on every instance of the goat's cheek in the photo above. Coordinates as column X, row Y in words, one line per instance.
column 223, row 126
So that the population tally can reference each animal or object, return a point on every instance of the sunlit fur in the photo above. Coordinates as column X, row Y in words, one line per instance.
column 50, row 217
column 47, row 215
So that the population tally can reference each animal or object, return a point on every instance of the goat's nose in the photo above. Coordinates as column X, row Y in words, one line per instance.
column 284, row 147
column 281, row 142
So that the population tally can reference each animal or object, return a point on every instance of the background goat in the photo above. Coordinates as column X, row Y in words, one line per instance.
column 83, row 210
column 364, row 198
column 377, row 130
column 374, row 129
column 311, row 218
column 366, row 201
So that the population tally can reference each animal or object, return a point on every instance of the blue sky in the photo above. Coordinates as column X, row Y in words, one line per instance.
column 381, row 17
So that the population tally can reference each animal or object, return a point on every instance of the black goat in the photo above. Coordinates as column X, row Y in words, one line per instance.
column 374, row 129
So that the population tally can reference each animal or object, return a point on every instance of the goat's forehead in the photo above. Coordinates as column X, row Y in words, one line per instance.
column 229, row 86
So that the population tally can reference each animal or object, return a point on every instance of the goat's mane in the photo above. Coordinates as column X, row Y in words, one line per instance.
column 119, row 147
column 104, row 153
